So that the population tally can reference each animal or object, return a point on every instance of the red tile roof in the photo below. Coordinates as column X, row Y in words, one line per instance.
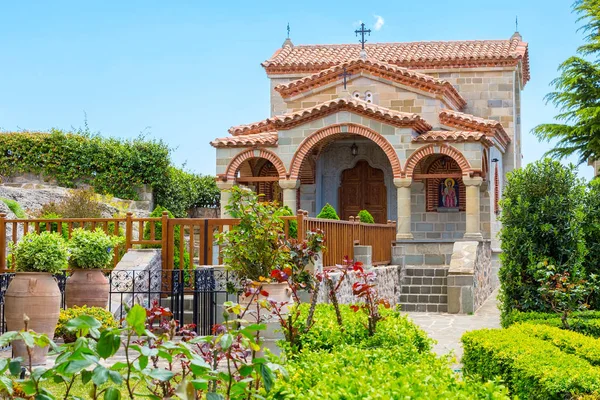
column 266, row 139
column 414, row 55
column 490, row 127
column 290, row 120
column 452, row 136
column 377, row 68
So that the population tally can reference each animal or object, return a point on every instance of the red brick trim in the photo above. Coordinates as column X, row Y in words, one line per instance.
column 235, row 163
column 317, row 137
column 445, row 149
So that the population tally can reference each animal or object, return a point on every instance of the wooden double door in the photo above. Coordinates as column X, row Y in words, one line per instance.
column 363, row 188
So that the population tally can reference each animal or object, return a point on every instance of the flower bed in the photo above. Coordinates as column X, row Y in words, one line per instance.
column 535, row 361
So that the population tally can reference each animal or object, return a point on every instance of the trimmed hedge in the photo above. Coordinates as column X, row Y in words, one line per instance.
column 328, row 212
column 113, row 166
column 586, row 322
column 533, row 368
column 365, row 217
column 398, row 372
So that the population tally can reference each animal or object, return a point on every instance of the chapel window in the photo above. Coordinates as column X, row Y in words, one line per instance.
column 368, row 97
column 356, row 94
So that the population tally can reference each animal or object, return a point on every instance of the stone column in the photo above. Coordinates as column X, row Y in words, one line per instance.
column 473, row 228
column 403, row 226
column 289, row 187
column 225, row 195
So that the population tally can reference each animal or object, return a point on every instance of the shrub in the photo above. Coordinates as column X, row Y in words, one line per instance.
column 158, row 211
column 531, row 367
column 541, row 217
column 398, row 372
column 43, row 252
column 293, row 225
column 253, row 247
column 591, row 231
column 80, row 203
column 15, row 207
column 328, row 212
column 180, row 190
column 92, row 249
column 110, row 165
column 103, row 316
column 586, row 322
column 365, row 217
column 394, row 330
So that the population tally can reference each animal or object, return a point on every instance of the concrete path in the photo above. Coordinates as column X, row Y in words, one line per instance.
column 447, row 329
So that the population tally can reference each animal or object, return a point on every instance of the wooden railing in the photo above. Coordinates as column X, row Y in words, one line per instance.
column 341, row 236
column 197, row 237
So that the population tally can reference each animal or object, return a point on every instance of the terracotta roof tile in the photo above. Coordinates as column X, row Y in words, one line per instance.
column 414, row 55
column 490, row 127
column 452, row 136
column 266, row 139
column 290, row 120
column 377, row 68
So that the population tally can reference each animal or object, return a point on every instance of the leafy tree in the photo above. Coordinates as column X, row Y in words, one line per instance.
column 328, row 212
column 542, row 216
column 577, row 94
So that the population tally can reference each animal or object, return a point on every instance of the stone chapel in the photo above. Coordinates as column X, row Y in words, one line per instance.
column 422, row 133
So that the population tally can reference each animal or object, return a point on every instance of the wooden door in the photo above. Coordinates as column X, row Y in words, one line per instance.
column 363, row 188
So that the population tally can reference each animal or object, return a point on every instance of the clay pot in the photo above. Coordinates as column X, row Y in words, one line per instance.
column 35, row 294
column 87, row 287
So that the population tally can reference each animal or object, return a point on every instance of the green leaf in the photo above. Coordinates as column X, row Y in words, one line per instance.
column 15, row 366
column 108, row 344
column 267, row 376
column 86, row 376
column 160, row 374
column 214, row 396
column 119, row 365
column 77, row 365
column 115, row 377
column 136, row 319
column 6, row 384
column 112, row 393
column 199, row 367
column 27, row 339
column 7, row 338
column 226, row 341
column 100, row 375
column 83, row 322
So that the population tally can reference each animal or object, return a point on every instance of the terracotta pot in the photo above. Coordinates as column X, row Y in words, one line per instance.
column 87, row 287
column 35, row 294
column 279, row 292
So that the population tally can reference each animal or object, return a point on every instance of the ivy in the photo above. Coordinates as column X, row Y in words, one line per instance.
column 111, row 166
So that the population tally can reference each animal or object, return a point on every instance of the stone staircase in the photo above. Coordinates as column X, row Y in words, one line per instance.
column 425, row 288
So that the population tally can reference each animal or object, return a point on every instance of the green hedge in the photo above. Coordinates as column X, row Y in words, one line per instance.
column 180, row 190
column 398, row 372
column 395, row 330
column 328, row 212
column 533, row 368
column 586, row 322
column 365, row 217
column 111, row 165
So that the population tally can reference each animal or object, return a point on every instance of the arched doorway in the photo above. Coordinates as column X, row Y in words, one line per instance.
column 363, row 188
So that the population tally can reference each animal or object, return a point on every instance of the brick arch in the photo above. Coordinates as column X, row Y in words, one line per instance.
column 445, row 149
column 235, row 163
column 331, row 131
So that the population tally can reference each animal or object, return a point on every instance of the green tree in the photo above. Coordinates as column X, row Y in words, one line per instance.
column 542, row 219
column 365, row 217
column 328, row 212
column 577, row 94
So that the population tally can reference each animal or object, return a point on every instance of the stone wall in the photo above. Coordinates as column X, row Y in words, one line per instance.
column 470, row 280
column 422, row 252
column 387, row 281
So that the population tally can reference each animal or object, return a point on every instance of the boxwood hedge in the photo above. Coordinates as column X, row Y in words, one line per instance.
column 535, row 361
column 586, row 322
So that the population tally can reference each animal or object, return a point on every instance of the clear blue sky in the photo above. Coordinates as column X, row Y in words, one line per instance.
column 188, row 70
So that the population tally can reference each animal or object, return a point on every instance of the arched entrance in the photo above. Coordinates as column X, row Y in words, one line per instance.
column 363, row 188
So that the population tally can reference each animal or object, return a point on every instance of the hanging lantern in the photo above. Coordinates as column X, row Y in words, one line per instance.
column 354, row 150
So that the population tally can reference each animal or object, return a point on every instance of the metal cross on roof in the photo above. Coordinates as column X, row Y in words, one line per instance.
column 362, row 32
column 288, row 30
column 345, row 75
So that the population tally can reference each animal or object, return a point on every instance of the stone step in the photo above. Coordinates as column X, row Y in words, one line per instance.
column 424, row 281
column 426, row 270
column 424, row 289
column 424, row 298
column 424, row 307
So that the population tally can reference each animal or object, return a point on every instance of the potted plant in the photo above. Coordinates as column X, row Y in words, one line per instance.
column 91, row 251
column 32, row 300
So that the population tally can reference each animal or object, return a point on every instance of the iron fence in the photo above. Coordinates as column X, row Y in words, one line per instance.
column 194, row 297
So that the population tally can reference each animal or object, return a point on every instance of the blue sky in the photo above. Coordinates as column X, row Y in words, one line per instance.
column 185, row 71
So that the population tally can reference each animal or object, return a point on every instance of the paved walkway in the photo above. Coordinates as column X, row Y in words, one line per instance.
column 447, row 329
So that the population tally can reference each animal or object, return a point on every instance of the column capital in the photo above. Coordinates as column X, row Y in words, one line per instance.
column 472, row 181
column 225, row 185
column 402, row 182
column 289, row 183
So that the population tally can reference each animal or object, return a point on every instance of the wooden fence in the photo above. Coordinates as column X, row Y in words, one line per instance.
column 197, row 237
column 341, row 236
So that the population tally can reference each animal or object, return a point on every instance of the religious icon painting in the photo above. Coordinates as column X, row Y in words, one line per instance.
column 449, row 194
